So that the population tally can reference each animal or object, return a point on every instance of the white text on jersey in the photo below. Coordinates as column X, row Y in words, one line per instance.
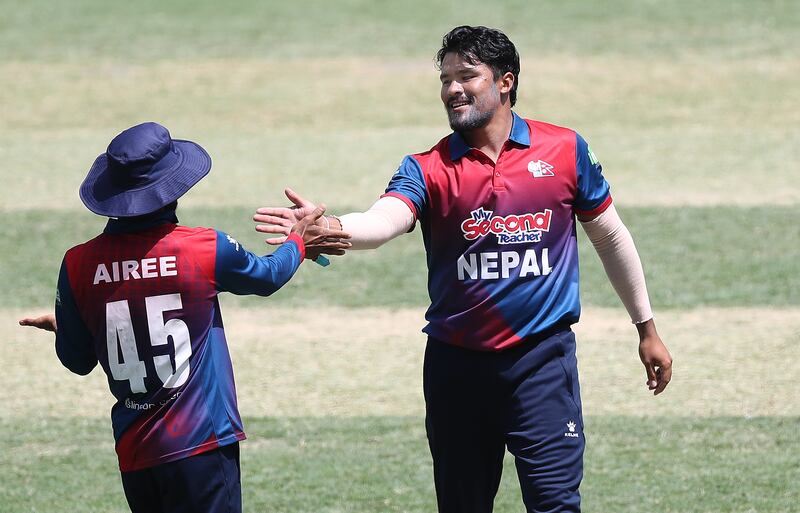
column 136, row 269
column 493, row 265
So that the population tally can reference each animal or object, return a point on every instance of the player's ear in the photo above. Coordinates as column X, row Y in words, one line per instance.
column 505, row 83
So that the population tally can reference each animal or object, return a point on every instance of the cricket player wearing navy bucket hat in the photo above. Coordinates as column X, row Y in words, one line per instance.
column 140, row 299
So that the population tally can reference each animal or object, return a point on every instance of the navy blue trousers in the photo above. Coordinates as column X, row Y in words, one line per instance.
column 209, row 482
column 526, row 399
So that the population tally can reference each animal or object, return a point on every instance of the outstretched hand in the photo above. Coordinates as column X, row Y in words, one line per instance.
column 280, row 220
column 45, row 322
column 655, row 357
column 317, row 239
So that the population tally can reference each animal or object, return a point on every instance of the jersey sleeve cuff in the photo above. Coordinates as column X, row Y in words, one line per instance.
column 301, row 246
column 597, row 210
column 408, row 203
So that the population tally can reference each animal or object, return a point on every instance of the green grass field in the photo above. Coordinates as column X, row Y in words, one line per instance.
column 369, row 464
column 691, row 107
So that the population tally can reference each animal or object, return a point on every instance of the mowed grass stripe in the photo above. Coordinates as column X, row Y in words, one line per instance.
column 353, row 362
column 341, row 132
column 369, row 464
column 348, row 93
column 692, row 257
column 89, row 29
column 347, row 168
column 646, row 167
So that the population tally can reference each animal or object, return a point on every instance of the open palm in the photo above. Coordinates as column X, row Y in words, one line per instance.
column 279, row 220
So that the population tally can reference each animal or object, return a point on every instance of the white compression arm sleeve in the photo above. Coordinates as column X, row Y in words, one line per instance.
column 614, row 245
column 385, row 220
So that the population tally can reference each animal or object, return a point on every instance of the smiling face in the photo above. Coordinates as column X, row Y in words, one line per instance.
column 470, row 93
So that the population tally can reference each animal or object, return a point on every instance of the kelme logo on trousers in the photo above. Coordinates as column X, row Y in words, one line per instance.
column 571, row 430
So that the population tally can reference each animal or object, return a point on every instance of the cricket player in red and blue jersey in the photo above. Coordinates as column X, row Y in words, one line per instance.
column 141, row 300
column 497, row 201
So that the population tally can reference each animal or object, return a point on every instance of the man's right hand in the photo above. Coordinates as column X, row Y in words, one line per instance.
column 317, row 239
column 280, row 220
column 45, row 322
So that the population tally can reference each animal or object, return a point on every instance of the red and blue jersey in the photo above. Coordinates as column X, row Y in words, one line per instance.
column 143, row 303
column 500, row 237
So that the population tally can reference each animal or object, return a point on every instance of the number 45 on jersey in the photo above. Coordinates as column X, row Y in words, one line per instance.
column 123, row 357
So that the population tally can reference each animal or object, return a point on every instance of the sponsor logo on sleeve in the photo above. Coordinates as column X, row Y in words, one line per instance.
column 592, row 157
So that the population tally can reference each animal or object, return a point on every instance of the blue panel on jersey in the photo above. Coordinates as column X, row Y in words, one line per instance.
column 458, row 146
column 593, row 190
column 217, row 381
column 74, row 342
column 241, row 272
column 409, row 182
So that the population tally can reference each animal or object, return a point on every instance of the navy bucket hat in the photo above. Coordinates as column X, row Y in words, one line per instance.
column 142, row 170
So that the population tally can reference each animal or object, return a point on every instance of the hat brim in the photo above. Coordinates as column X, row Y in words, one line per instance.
column 103, row 196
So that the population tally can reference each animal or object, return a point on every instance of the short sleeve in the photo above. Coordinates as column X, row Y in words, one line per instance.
column 408, row 185
column 593, row 195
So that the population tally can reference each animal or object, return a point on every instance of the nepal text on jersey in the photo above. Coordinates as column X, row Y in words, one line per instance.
column 493, row 265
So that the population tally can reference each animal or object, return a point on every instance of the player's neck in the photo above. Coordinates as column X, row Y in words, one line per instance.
column 491, row 138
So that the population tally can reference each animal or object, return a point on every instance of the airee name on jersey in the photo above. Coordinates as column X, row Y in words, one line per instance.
column 136, row 269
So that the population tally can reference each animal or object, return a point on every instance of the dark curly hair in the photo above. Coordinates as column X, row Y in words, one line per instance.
column 483, row 45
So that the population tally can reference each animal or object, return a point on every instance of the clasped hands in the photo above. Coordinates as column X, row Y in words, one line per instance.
column 305, row 219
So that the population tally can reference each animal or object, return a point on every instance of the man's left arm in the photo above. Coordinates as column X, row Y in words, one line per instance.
column 614, row 245
column 617, row 252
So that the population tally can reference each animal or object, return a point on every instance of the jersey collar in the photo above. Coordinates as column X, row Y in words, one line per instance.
column 140, row 223
column 520, row 134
